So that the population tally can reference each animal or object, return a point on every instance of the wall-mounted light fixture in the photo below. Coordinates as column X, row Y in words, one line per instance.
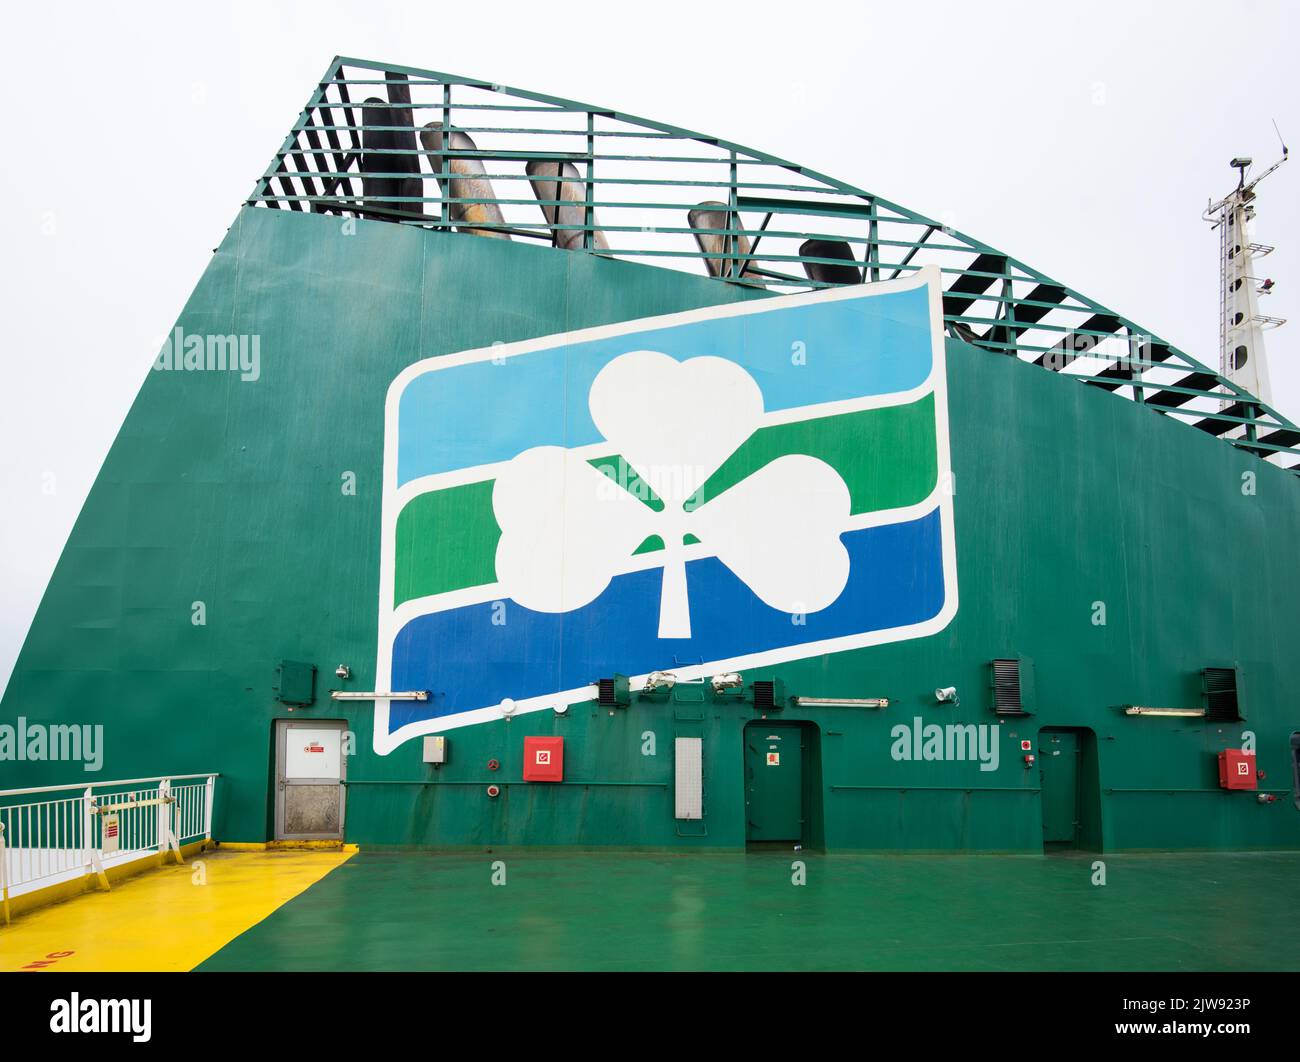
column 842, row 702
column 728, row 681
column 404, row 695
column 660, row 681
column 1137, row 709
column 343, row 671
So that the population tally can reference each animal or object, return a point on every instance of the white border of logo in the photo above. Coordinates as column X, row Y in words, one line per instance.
column 391, row 620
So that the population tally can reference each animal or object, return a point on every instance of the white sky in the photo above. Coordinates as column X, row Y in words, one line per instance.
column 1082, row 139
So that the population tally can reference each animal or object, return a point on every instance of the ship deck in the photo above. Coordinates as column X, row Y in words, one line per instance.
column 601, row 910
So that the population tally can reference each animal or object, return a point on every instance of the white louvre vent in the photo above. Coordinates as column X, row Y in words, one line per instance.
column 688, row 753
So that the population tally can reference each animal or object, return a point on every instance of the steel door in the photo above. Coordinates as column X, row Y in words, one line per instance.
column 774, row 781
column 310, row 767
column 1058, row 761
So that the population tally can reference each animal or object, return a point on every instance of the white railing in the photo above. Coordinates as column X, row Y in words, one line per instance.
column 78, row 830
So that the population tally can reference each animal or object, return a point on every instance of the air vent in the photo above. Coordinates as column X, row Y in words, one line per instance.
column 1222, row 703
column 1010, row 686
column 769, row 696
column 612, row 692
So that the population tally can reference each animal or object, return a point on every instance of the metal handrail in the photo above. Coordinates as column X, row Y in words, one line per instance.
column 82, row 786
column 361, row 158
column 66, row 838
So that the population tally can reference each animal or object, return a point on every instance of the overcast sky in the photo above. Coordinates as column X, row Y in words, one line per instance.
column 1082, row 139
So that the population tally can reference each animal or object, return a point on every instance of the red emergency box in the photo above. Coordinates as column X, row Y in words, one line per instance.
column 1237, row 769
column 543, row 759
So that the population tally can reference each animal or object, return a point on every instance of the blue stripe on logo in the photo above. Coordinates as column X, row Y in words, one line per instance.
column 486, row 412
column 467, row 661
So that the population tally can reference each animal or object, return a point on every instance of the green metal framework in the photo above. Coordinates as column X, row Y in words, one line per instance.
column 624, row 186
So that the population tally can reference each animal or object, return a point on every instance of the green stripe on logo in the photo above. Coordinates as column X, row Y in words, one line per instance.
column 447, row 539
column 887, row 457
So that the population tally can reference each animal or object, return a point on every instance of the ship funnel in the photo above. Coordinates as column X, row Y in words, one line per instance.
column 830, row 273
column 560, row 181
column 469, row 181
column 390, row 169
column 713, row 215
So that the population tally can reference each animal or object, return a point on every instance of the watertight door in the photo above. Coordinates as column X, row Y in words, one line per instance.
column 773, row 782
column 1058, row 758
column 310, row 767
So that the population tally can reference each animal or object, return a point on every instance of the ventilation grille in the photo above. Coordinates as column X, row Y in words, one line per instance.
column 612, row 692
column 1006, row 688
column 688, row 759
column 768, row 696
column 1221, row 702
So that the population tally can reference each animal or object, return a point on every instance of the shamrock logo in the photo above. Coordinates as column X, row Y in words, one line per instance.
column 565, row 534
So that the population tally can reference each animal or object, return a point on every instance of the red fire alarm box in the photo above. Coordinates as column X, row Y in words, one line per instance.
column 1237, row 769
column 543, row 759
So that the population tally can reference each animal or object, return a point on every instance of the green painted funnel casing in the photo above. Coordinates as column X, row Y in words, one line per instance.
column 261, row 500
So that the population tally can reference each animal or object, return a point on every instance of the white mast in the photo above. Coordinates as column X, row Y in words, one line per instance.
column 1241, row 325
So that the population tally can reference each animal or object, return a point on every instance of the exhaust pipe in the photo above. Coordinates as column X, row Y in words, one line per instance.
column 376, row 157
column 543, row 176
column 469, row 182
column 713, row 215
column 830, row 273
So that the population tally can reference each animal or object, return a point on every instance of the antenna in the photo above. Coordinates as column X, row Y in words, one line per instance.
column 1241, row 325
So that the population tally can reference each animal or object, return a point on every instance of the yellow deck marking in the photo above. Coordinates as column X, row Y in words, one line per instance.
column 162, row 920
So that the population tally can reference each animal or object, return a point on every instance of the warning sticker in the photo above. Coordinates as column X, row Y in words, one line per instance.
column 543, row 757
column 110, row 834
column 774, row 759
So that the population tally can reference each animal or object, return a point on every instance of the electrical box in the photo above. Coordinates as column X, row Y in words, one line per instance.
column 435, row 749
column 1237, row 769
column 543, row 759
column 295, row 683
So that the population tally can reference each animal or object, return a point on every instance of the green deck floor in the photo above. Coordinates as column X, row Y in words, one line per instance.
column 632, row 911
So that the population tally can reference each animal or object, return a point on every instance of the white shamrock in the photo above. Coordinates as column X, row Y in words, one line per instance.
column 565, row 534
